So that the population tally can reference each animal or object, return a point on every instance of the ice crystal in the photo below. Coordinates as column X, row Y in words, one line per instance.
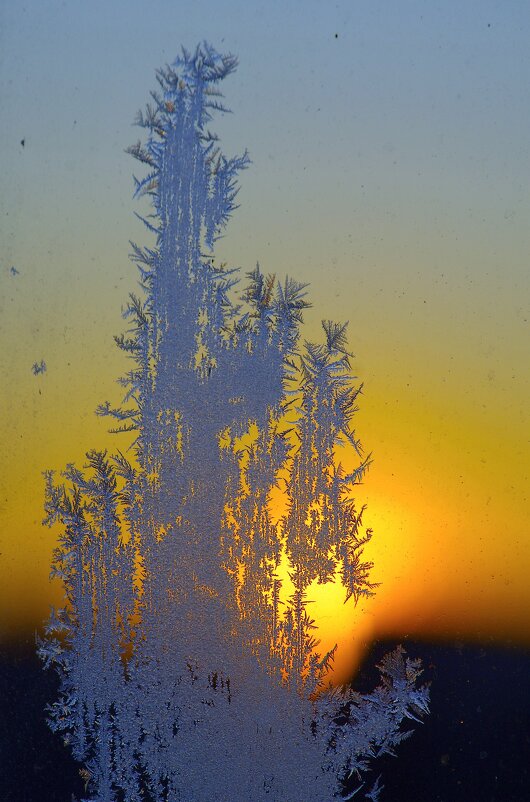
column 188, row 671
column 39, row 367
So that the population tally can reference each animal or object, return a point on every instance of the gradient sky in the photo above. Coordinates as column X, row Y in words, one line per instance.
column 390, row 149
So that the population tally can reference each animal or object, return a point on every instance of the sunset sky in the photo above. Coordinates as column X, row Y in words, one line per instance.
column 390, row 150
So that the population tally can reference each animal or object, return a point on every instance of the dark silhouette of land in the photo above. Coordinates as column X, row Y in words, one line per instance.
column 474, row 747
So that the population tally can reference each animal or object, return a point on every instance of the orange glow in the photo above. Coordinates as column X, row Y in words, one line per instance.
column 450, row 548
column 444, row 574
column 444, row 571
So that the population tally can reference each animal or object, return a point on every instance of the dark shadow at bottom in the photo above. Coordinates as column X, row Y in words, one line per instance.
column 474, row 746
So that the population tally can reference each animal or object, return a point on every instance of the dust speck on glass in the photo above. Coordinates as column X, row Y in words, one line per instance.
column 188, row 658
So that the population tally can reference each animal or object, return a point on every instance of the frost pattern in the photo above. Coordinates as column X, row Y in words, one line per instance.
column 38, row 367
column 188, row 670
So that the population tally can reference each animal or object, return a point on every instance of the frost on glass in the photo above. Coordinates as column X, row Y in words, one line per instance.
column 188, row 658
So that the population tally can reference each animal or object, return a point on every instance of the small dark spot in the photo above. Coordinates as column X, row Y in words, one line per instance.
column 23, row 142
column 336, row 36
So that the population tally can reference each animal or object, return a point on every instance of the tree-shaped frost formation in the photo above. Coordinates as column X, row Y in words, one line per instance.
column 188, row 672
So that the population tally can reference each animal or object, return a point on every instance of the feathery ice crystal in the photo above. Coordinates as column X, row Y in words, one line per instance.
column 187, row 671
